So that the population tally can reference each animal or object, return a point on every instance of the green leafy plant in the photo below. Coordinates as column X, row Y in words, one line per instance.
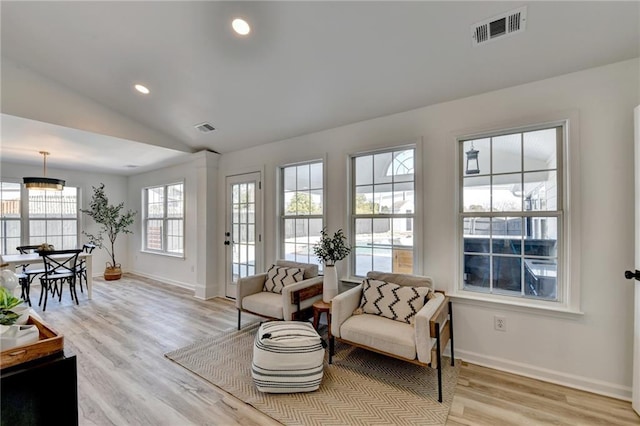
column 112, row 220
column 7, row 302
column 329, row 249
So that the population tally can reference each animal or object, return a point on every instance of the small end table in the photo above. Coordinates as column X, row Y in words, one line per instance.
column 319, row 308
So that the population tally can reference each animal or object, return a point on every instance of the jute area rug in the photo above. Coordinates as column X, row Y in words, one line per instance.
column 359, row 388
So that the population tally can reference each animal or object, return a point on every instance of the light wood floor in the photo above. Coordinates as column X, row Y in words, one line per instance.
column 120, row 338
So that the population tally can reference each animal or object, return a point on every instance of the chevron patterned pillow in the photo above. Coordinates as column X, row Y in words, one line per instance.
column 393, row 301
column 280, row 276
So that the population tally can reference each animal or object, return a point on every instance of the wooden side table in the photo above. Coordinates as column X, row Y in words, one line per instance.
column 319, row 308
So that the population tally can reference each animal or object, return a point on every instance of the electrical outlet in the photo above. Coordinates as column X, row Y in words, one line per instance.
column 500, row 323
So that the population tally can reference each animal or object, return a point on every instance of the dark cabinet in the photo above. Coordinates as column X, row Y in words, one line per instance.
column 40, row 392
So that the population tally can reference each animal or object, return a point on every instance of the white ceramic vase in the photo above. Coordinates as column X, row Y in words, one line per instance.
column 9, row 280
column 329, row 283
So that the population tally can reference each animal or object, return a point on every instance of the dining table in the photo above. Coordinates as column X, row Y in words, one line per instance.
column 15, row 260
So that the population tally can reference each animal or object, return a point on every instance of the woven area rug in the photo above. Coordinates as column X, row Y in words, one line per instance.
column 359, row 388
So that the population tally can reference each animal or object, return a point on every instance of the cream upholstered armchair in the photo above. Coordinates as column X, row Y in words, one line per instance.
column 284, row 292
column 398, row 315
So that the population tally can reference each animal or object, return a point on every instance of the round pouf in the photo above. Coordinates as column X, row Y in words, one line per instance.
column 288, row 357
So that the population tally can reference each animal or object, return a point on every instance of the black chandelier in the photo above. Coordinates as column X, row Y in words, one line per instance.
column 44, row 182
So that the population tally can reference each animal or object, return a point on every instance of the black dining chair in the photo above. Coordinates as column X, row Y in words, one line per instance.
column 82, row 264
column 25, row 286
column 60, row 267
column 32, row 272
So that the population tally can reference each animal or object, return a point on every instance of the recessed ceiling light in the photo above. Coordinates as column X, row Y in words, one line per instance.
column 241, row 26
column 142, row 89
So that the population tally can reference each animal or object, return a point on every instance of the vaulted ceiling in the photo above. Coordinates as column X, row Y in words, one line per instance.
column 68, row 68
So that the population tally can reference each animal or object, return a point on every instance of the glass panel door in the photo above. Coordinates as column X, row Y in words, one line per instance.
column 243, row 234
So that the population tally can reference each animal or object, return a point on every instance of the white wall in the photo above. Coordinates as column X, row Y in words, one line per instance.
column 115, row 189
column 197, row 268
column 591, row 351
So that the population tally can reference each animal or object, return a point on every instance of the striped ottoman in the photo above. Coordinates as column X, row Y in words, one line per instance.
column 288, row 357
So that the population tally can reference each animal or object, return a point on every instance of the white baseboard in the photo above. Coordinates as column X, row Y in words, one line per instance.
column 557, row 377
column 165, row 280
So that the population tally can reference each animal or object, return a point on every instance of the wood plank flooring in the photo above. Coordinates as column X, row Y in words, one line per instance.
column 120, row 338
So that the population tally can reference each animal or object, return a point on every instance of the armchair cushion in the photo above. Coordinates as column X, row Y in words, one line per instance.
column 374, row 331
column 399, row 303
column 280, row 276
column 265, row 303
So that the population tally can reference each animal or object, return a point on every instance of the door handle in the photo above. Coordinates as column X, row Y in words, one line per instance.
column 226, row 243
column 631, row 275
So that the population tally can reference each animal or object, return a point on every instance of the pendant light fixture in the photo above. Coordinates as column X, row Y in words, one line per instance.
column 473, row 166
column 44, row 182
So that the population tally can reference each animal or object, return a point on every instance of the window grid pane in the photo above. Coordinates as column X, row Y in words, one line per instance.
column 301, row 211
column 53, row 217
column 10, row 222
column 510, row 213
column 384, row 212
column 164, row 221
column 243, row 229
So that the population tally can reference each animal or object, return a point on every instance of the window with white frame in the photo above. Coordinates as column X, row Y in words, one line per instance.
column 164, row 219
column 302, row 204
column 10, row 221
column 383, row 211
column 53, row 217
column 47, row 217
column 511, row 215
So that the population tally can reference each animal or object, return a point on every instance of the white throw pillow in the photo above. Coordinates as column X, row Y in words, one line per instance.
column 280, row 276
column 393, row 301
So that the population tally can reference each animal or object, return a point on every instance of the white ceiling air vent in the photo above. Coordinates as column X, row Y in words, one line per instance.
column 205, row 127
column 499, row 26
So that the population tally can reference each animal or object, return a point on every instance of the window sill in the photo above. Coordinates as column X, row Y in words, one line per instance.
column 160, row 253
column 562, row 311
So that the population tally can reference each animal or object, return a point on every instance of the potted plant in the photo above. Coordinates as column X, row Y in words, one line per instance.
column 113, row 221
column 10, row 309
column 329, row 250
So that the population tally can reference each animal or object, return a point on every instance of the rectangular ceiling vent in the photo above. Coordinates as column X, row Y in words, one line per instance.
column 205, row 127
column 499, row 26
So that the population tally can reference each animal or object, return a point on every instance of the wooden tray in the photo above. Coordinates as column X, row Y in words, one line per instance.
column 49, row 343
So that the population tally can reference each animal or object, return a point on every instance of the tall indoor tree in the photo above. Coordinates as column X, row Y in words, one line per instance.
column 113, row 221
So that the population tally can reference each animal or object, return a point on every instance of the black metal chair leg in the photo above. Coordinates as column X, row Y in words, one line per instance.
column 239, row 315
column 24, row 286
column 453, row 360
column 74, row 293
column 439, row 360
column 43, row 288
column 332, row 345
column 80, row 281
column 46, row 296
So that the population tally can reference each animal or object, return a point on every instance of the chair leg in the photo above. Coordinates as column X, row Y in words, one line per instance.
column 72, row 289
column 24, row 294
column 439, row 360
column 28, row 293
column 45, row 290
column 453, row 362
column 332, row 345
column 53, row 287
column 239, row 314
column 81, row 275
